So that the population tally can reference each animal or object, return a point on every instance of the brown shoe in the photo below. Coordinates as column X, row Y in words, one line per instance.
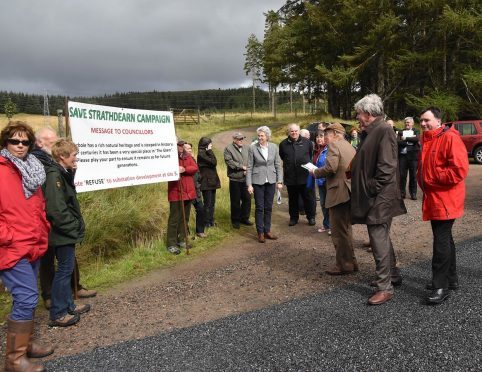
column 65, row 321
column 335, row 270
column 86, row 293
column 80, row 309
column 261, row 238
column 269, row 235
column 36, row 350
column 380, row 297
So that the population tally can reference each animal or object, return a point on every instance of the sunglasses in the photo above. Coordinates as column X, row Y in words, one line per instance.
column 17, row 142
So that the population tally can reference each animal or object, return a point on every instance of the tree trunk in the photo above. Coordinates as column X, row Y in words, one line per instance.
column 254, row 96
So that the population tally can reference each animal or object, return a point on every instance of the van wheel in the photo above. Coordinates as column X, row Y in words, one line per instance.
column 478, row 155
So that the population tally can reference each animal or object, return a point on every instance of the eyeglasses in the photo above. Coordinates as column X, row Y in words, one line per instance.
column 15, row 142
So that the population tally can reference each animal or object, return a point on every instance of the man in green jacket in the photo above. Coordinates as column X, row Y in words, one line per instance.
column 236, row 158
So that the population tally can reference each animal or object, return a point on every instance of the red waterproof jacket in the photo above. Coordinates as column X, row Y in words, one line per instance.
column 187, row 179
column 24, row 228
column 442, row 168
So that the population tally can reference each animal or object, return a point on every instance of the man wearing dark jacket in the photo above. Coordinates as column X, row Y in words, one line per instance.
column 236, row 158
column 408, row 148
column 375, row 197
column 44, row 140
column 296, row 151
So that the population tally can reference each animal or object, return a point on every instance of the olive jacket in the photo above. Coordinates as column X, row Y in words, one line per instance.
column 62, row 207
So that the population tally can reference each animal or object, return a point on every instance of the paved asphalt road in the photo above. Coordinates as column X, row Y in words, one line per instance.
column 334, row 331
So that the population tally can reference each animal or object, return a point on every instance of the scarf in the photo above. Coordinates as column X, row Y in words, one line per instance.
column 31, row 169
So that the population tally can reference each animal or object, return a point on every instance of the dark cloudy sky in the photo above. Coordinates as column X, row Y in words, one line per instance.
column 91, row 47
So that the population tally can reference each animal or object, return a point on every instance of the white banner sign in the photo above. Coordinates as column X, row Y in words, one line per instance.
column 122, row 147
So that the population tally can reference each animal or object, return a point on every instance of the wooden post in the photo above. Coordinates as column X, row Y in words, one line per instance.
column 66, row 115
column 60, row 123
column 198, row 117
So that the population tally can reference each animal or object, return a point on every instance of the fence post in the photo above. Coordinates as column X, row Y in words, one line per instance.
column 198, row 117
column 60, row 121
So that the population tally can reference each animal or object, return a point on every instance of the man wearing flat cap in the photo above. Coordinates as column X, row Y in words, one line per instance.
column 338, row 159
column 236, row 158
column 376, row 196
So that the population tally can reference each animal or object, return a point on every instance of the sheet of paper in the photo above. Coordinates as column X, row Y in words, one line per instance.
column 408, row 133
column 310, row 166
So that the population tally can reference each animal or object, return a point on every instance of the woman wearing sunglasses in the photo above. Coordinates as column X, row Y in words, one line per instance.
column 24, row 233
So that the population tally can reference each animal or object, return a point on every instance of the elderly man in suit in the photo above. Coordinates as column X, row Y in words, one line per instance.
column 338, row 159
column 263, row 176
column 376, row 197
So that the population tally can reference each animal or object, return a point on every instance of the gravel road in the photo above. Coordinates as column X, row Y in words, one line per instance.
column 332, row 331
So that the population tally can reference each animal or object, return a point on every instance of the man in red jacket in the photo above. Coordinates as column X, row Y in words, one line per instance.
column 441, row 172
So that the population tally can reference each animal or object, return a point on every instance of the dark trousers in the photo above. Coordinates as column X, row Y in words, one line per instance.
column 408, row 165
column 384, row 255
column 263, row 201
column 62, row 300
column 294, row 192
column 209, row 199
column 47, row 272
column 326, row 215
column 240, row 201
column 176, row 232
column 342, row 236
column 200, row 215
column 444, row 268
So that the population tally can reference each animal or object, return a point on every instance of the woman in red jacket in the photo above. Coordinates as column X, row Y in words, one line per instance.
column 442, row 169
column 24, row 233
column 180, row 195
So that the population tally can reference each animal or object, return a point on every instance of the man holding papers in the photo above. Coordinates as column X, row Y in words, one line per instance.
column 338, row 159
column 408, row 148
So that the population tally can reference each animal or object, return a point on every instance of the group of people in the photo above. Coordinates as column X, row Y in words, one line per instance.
column 361, row 179
column 40, row 219
column 358, row 183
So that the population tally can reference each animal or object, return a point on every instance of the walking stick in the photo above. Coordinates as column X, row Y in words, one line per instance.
column 68, row 134
column 183, row 214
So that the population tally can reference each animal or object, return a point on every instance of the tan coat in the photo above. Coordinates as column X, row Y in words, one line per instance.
column 338, row 187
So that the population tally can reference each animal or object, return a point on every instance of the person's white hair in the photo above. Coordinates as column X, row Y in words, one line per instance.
column 408, row 118
column 305, row 133
column 42, row 131
column 265, row 130
column 371, row 104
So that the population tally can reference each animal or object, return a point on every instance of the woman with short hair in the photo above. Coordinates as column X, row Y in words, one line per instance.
column 24, row 233
column 263, row 175
column 68, row 229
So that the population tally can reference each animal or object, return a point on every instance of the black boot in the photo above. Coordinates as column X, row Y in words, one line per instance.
column 438, row 296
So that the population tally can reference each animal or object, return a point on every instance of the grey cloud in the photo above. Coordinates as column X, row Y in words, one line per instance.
column 94, row 47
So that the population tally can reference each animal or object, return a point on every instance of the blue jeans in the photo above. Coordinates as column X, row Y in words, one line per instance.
column 263, row 200
column 326, row 215
column 21, row 282
column 62, row 301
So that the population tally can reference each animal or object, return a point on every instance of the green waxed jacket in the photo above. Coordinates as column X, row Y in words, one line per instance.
column 62, row 207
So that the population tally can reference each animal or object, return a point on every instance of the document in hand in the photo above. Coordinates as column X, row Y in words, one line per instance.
column 309, row 166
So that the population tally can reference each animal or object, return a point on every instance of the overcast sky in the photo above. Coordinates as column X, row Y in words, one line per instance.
column 87, row 47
